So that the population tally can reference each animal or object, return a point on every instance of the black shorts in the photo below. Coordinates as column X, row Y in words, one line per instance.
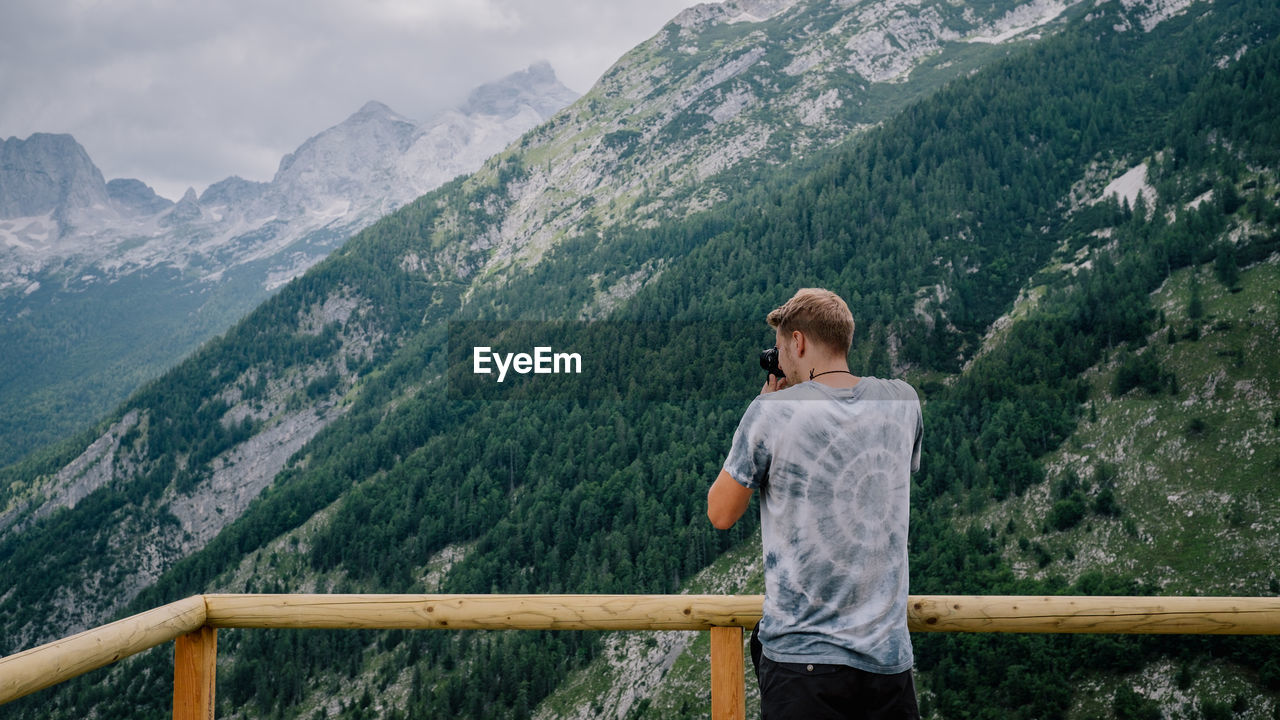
column 798, row 691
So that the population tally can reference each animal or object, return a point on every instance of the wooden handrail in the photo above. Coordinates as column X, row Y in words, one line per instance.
column 1116, row 614
column 195, row 617
column 485, row 612
column 61, row 660
column 925, row 613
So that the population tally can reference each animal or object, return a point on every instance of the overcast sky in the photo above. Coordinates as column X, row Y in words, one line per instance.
column 182, row 94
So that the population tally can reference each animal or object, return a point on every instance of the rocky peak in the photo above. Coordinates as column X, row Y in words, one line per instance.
column 136, row 197
column 536, row 86
column 376, row 111
column 47, row 173
column 235, row 190
column 373, row 132
column 187, row 210
column 377, row 155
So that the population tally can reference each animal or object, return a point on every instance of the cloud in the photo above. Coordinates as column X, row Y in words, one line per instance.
column 477, row 14
column 178, row 93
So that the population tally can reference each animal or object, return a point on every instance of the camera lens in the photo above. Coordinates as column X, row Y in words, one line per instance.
column 769, row 362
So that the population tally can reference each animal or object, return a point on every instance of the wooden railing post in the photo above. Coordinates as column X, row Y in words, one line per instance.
column 195, row 658
column 728, row 692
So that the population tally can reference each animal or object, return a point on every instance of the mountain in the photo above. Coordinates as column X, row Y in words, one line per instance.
column 47, row 174
column 1017, row 242
column 103, row 285
column 536, row 87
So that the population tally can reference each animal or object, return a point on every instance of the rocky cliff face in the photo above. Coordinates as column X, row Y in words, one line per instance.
column 536, row 87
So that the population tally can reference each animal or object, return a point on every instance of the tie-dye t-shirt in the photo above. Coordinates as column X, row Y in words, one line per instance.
column 833, row 468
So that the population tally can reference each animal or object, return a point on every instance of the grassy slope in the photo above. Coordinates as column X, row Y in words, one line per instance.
column 1197, row 509
column 1192, row 503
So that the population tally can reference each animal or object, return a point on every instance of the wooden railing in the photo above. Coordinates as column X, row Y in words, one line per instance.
column 192, row 623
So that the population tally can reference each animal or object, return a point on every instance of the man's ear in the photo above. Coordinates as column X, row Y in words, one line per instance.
column 798, row 338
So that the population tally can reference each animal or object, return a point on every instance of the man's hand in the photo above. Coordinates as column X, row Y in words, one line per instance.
column 773, row 383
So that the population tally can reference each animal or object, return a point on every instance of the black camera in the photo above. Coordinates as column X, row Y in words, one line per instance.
column 769, row 361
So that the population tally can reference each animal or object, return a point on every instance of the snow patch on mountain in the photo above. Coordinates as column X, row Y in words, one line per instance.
column 28, row 233
column 1128, row 186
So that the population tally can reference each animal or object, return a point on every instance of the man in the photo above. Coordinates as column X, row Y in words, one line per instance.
column 831, row 454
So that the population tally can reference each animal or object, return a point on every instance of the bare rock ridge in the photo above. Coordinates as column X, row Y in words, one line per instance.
column 187, row 210
column 235, row 190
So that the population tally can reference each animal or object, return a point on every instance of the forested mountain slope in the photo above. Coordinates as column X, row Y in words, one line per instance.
column 930, row 225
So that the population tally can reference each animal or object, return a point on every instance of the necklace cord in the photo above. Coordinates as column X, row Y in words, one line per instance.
column 828, row 372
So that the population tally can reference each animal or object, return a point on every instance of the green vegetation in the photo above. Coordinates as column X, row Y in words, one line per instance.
column 71, row 360
column 1208, row 444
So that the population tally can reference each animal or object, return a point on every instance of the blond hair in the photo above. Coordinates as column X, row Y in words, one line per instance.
column 820, row 314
